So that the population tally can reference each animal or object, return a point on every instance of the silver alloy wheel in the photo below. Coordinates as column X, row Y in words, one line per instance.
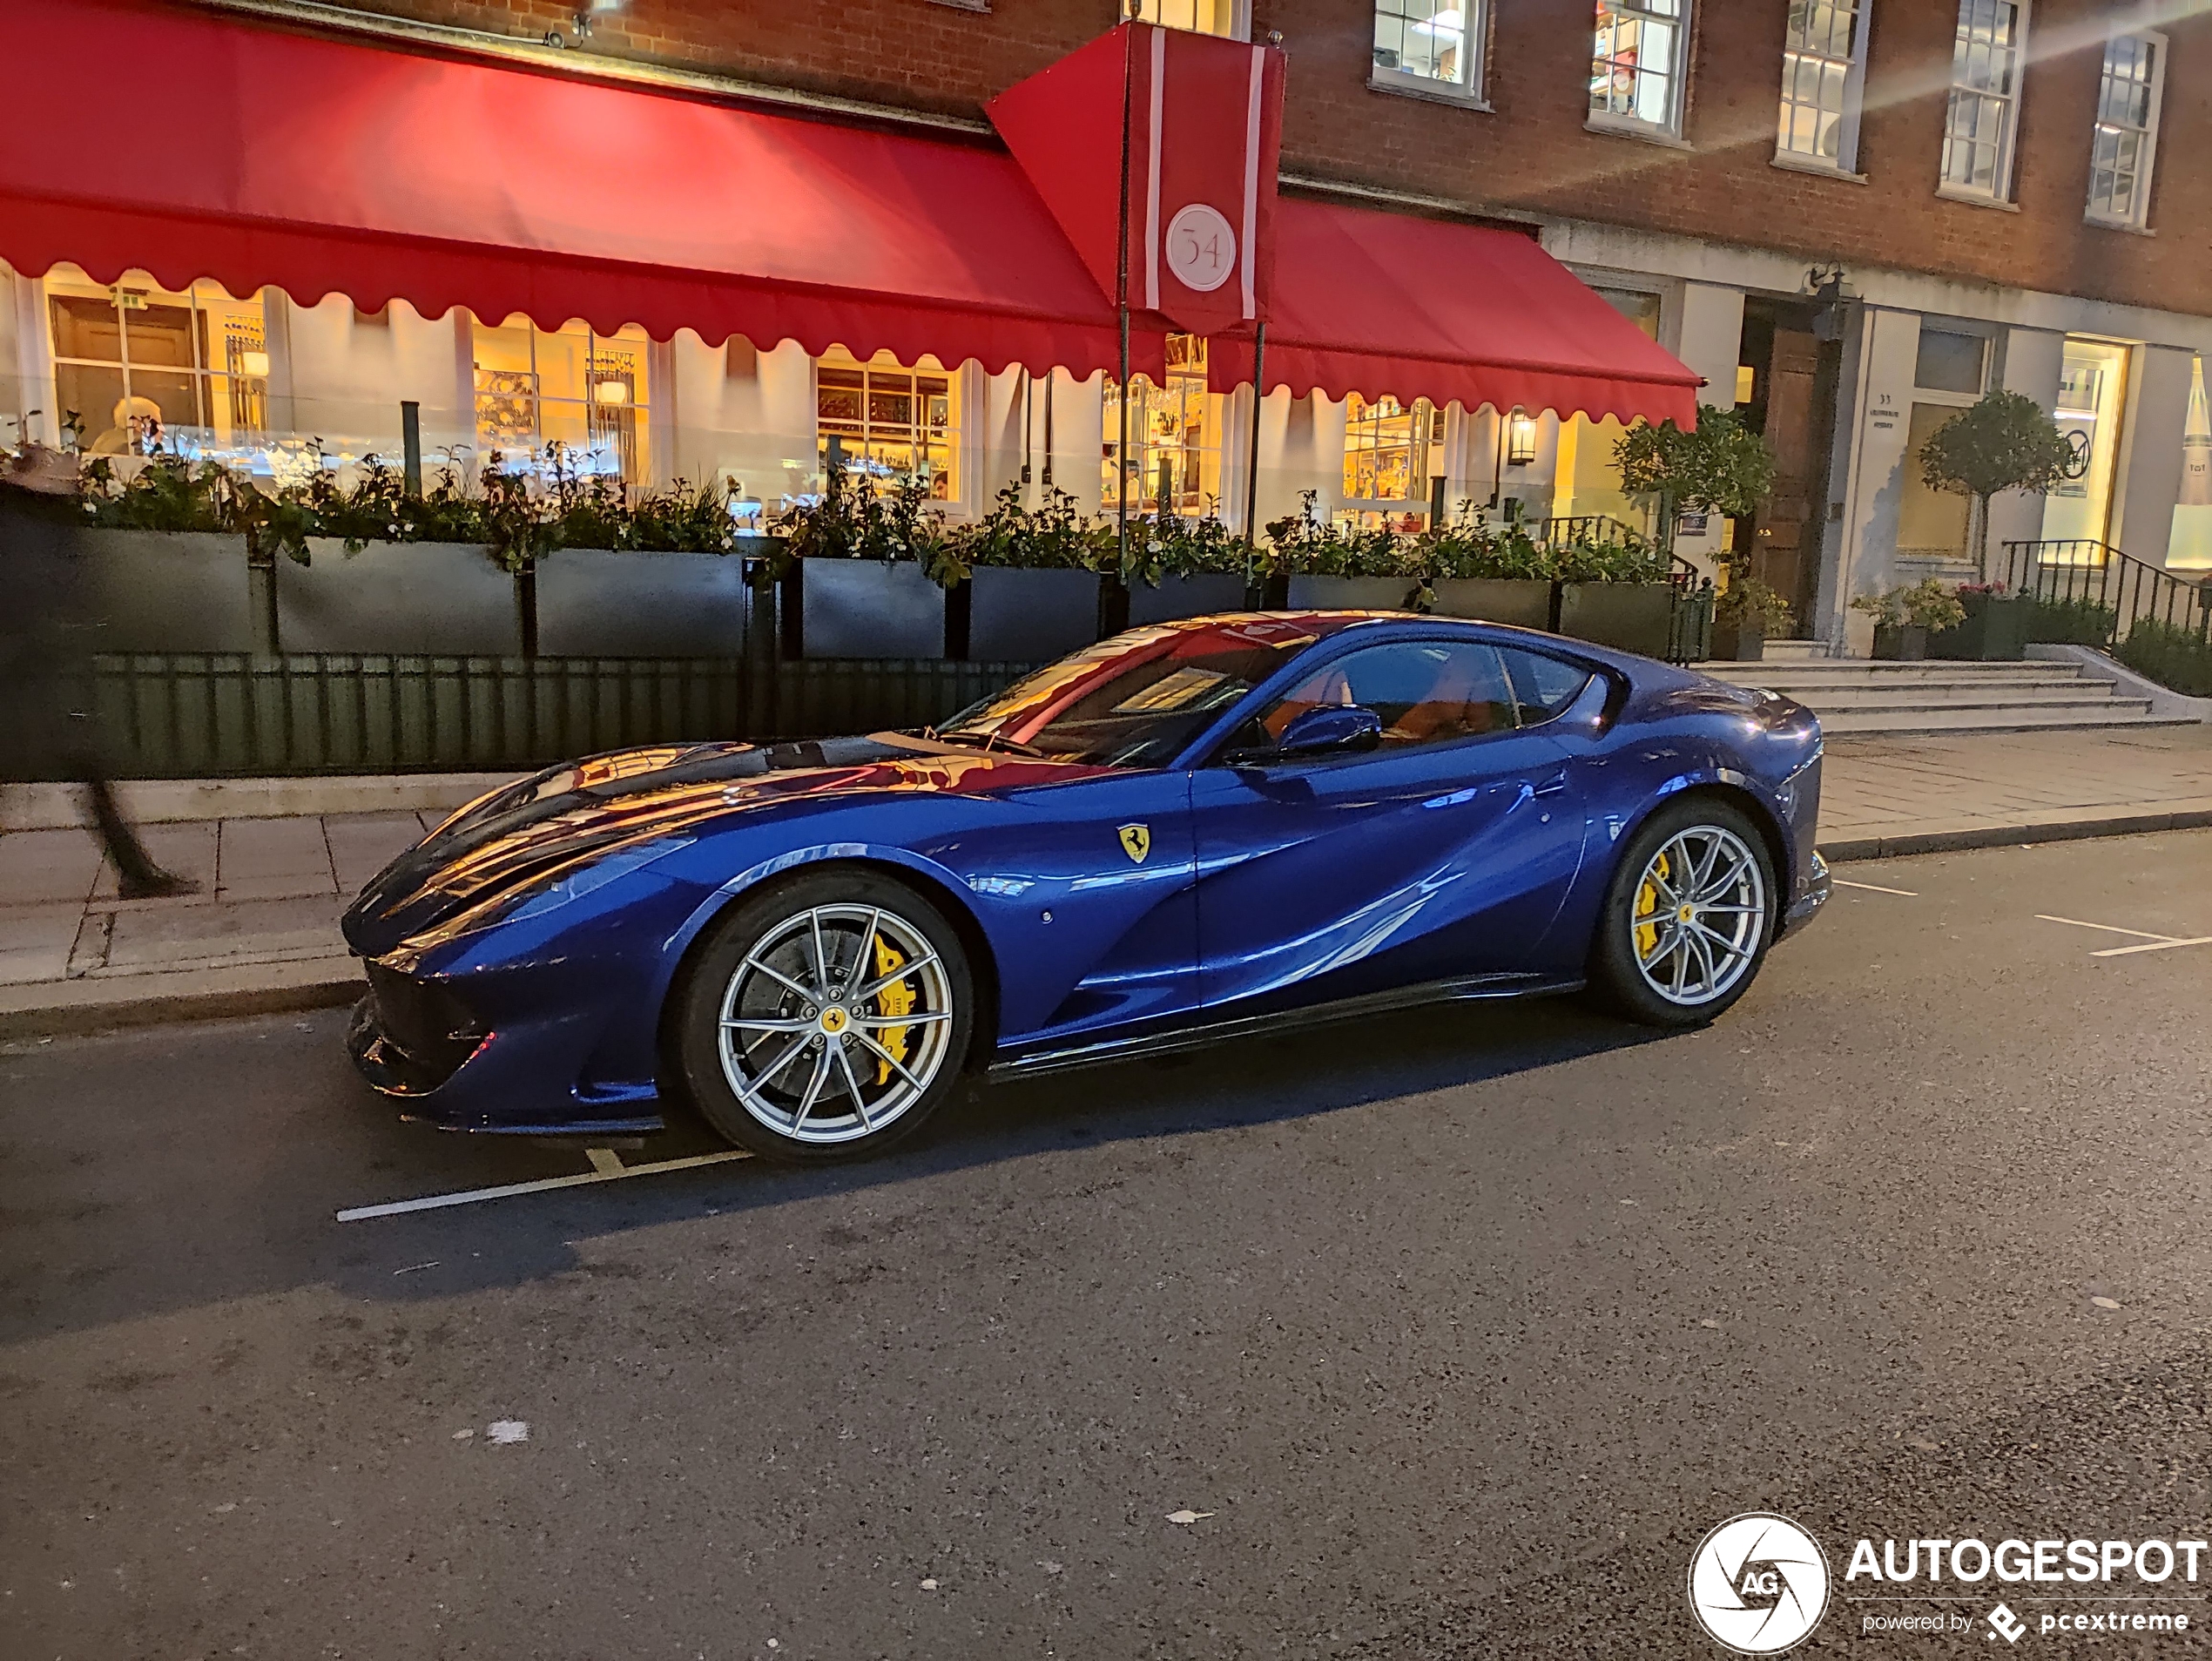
column 1699, row 916
column 835, row 1024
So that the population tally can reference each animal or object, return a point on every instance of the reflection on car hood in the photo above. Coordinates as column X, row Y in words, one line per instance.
column 540, row 829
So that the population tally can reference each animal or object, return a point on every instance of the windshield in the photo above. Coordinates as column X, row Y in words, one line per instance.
column 1134, row 701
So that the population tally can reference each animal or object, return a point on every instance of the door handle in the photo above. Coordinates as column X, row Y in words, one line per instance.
column 1552, row 786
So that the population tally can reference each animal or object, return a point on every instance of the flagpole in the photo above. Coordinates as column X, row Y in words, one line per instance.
column 1251, row 462
column 1120, row 299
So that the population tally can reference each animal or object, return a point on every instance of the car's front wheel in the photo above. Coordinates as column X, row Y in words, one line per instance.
column 825, row 1018
column 1689, row 917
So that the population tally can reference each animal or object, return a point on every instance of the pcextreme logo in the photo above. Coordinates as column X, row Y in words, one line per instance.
column 1758, row 1584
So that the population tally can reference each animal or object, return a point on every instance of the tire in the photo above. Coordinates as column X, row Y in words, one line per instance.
column 798, row 1066
column 1662, row 955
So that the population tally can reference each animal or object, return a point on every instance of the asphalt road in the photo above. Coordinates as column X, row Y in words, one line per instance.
column 1459, row 1328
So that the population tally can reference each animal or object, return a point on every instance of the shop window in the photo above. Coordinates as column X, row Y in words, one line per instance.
column 1225, row 17
column 890, row 421
column 1985, row 99
column 1430, row 45
column 2092, row 389
column 1948, row 361
column 1638, row 63
column 138, row 367
column 2126, row 130
column 2189, row 545
column 586, row 392
column 1386, row 451
column 1929, row 521
column 1640, row 309
column 1820, row 83
column 1174, row 462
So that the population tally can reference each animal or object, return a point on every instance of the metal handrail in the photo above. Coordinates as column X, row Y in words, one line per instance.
column 1600, row 530
column 2113, row 592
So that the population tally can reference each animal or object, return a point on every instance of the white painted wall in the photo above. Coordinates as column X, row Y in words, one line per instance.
column 2150, row 479
column 1881, row 386
column 2032, row 361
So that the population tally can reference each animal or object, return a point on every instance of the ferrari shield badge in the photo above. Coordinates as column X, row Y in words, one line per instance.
column 1136, row 842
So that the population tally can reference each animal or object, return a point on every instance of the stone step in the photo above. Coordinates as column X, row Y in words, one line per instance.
column 1764, row 675
column 1851, row 669
column 1899, row 723
column 2087, row 695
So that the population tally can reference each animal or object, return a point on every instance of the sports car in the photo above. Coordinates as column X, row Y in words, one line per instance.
column 1190, row 831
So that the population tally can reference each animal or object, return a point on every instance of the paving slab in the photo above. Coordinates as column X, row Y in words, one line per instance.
column 185, row 850
column 35, row 941
column 44, row 866
column 245, row 932
column 268, row 859
column 363, row 844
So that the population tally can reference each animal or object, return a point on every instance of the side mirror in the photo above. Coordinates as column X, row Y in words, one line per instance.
column 1334, row 729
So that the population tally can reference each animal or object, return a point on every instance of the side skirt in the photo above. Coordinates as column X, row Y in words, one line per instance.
column 1213, row 1032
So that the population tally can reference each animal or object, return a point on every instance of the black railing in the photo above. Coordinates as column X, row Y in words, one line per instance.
column 1690, row 613
column 236, row 714
column 1596, row 530
column 2094, row 595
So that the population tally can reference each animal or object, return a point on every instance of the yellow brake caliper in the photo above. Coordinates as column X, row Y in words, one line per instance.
column 1648, row 905
column 896, row 999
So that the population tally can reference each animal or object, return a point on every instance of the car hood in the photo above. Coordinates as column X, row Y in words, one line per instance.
column 542, row 830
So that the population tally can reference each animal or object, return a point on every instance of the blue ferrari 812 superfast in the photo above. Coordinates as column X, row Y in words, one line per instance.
column 1189, row 832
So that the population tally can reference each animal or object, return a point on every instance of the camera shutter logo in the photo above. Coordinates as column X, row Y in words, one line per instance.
column 1758, row 1584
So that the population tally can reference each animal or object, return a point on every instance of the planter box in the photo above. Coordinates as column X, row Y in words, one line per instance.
column 1526, row 602
column 166, row 591
column 1995, row 630
column 592, row 603
column 1631, row 617
column 862, row 608
column 443, row 599
column 1902, row 644
column 1020, row 616
column 1185, row 597
column 1349, row 593
column 1737, row 642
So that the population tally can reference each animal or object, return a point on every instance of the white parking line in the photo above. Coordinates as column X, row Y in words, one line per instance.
column 607, row 1169
column 1875, row 888
column 2151, row 943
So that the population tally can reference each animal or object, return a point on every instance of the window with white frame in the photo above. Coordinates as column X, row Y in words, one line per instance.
column 1225, row 17
column 889, row 420
column 1430, row 46
column 1985, row 99
column 1387, row 446
column 1638, row 63
column 2126, row 130
column 1820, row 83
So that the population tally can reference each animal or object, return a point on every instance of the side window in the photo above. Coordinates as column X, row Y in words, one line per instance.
column 1542, row 686
column 1427, row 691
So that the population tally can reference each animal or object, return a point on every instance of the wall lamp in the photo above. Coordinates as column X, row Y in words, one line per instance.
column 1520, row 439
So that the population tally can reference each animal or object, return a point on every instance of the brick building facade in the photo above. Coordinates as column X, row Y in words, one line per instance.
column 1994, row 195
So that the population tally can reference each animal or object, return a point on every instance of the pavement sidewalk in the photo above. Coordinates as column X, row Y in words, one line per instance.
column 263, row 932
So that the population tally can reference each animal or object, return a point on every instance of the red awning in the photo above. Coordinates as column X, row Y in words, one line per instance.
column 1385, row 303
column 191, row 146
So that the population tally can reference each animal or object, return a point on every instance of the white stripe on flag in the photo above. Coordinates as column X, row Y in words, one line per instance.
column 1152, row 172
column 1252, row 182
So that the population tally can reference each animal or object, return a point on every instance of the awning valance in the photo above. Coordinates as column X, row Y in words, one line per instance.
column 1381, row 303
column 194, row 145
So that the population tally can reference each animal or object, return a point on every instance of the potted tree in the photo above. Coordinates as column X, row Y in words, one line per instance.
column 1905, row 617
column 1744, row 615
column 1718, row 466
column 2005, row 443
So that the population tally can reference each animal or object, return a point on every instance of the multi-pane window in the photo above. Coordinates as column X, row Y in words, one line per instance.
column 1200, row 17
column 138, row 368
column 1820, row 83
column 1432, row 45
column 1386, row 447
column 889, row 422
column 1174, row 462
column 1638, row 61
column 2119, row 157
column 1985, row 99
column 586, row 393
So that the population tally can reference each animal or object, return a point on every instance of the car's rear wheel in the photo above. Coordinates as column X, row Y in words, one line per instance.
column 825, row 1018
column 1689, row 918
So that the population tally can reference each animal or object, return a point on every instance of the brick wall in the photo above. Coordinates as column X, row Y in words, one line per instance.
column 1532, row 149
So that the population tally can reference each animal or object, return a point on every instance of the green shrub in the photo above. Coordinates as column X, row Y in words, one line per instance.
column 1053, row 536
column 2080, row 622
column 2177, row 659
column 1297, row 545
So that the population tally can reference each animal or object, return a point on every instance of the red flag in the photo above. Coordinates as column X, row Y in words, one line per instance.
column 1203, row 140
